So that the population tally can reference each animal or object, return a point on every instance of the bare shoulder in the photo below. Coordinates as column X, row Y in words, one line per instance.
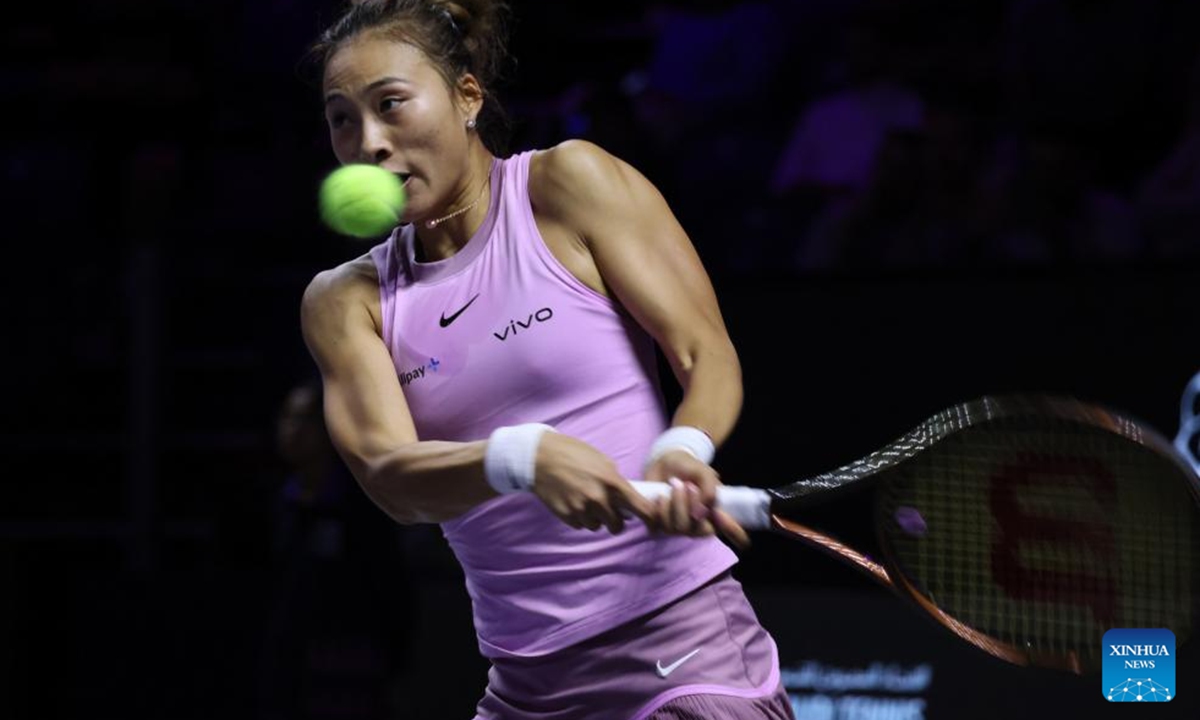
column 575, row 175
column 571, row 159
column 341, row 293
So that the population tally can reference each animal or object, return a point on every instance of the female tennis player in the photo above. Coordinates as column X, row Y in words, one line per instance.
column 490, row 367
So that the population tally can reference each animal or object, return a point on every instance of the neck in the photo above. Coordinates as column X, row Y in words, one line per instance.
column 450, row 235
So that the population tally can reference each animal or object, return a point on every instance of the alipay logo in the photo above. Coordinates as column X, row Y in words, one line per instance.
column 1139, row 665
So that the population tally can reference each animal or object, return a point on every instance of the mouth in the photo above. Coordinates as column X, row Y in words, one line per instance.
column 404, row 178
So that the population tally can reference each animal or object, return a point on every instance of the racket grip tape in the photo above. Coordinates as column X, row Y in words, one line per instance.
column 750, row 507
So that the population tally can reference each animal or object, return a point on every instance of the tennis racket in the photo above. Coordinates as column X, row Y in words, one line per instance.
column 1028, row 525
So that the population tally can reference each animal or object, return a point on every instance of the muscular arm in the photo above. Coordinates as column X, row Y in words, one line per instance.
column 367, row 416
column 648, row 263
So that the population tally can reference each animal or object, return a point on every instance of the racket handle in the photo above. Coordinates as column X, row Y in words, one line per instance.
column 750, row 507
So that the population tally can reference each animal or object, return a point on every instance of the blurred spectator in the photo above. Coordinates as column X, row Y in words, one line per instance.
column 835, row 185
column 1047, row 209
column 880, row 225
column 335, row 631
column 922, row 206
column 1169, row 202
column 832, row 151
column 715, row 52
column 959, row 141
column 702, row 103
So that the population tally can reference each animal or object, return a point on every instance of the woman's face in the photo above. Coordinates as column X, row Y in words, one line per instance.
column 386, row 104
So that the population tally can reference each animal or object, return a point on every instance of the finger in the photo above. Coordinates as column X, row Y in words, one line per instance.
column 615, row 526
column 697, row 509
column 730, row 529
column 607, row 515
column 565, row 513
column 694, row 471
column 615, row 512
column 634, row 501
column 581, row 514
column 681, row 507
column 661, row 509
column 615, row 522
column 700, row 525
column 707, row 483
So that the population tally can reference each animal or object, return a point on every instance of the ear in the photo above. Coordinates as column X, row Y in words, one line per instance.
column 470, row 95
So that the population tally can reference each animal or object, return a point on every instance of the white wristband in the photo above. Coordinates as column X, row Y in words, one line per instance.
column 693, row 441
column 511, row 457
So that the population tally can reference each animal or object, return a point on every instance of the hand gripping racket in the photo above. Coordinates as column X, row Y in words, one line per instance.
column 1027, row 525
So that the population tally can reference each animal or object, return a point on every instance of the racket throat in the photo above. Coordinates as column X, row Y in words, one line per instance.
column 833, row 547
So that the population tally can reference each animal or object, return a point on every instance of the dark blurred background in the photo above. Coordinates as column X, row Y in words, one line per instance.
column 903, row 204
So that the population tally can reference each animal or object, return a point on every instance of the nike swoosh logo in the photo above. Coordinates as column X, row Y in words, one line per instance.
column 445, row 321
column 665, row 671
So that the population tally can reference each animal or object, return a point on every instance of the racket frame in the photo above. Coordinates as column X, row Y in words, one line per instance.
column 871, row 471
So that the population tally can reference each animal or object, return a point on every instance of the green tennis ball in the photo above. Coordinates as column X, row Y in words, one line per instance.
column 361, row 201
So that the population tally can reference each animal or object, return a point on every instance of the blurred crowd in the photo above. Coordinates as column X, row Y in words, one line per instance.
column 809, row 136
column 790, row 136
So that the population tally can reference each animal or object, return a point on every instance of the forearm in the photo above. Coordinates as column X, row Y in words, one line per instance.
column 429, row 482
column 711, row 377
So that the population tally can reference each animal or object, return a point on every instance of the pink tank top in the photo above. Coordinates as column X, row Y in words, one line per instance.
column 502, row 334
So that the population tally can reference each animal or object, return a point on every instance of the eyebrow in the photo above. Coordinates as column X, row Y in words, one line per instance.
column 381, row 81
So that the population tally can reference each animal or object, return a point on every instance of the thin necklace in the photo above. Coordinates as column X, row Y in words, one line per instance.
column 431, row 224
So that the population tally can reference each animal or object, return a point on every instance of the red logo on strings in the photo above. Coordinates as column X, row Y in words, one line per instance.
column 1026, row 527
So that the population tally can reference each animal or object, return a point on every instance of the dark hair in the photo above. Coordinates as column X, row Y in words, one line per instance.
column 463, row 36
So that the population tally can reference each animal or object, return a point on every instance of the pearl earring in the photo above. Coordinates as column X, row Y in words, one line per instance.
column 471, row 124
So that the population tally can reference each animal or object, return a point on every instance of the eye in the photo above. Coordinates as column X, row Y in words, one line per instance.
column 390, row 103
column 338, row 119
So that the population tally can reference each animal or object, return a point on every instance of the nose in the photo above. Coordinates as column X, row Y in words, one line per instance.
column 376, row 147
